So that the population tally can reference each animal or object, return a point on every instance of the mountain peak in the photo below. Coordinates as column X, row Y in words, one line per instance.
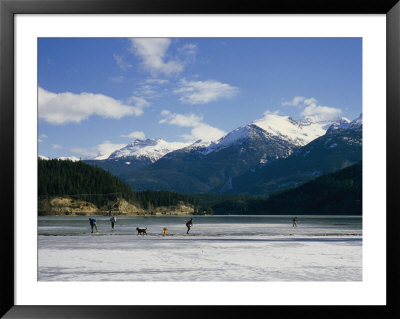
column 152, row 149
column 345, row 124
column 358, row 121
column 298, row 133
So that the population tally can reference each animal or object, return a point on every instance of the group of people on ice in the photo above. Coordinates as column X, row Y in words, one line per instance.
column 113, row 220
column 189, row 224
column 93, row 224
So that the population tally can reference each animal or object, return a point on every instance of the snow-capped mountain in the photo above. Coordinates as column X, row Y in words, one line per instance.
column 203, row 166
column 298, row 133
column 69, row 158
column 237, row 136
column 62, row 158
column 340, row 147
column 149, row 149
column 216, row 166
column 356, row 124
column 45, row 158
column 270, row 126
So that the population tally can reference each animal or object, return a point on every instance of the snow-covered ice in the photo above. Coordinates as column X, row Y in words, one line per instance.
column 218, row 248
column 199, row 258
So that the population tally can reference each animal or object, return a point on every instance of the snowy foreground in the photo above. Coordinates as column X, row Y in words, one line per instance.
column 199, row 258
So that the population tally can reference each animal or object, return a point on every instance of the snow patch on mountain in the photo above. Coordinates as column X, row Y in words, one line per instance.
column 101, row 157
column 346, row 125
column 62, row 158
column 149, row 148
column 69, row 158
column 357, row 122
column 298, row 133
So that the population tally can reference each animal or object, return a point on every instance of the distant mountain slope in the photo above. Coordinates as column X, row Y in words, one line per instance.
column 136, row 155
column 149, row 149
column 340, row 147
column 298, row 133
column 338, row 193
column 239, row 161
column 335, row 193
column 199, row 169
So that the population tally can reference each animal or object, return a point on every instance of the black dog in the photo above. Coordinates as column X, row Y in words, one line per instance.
column 141, row 231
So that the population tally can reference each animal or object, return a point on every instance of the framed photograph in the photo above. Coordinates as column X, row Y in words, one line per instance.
column 166, row 158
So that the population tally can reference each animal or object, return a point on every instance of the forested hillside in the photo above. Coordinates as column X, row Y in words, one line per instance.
column 338, row 193
column 77, row 180
column 335, row 193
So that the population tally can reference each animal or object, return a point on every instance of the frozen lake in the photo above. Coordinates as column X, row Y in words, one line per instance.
column 218, row 248
column 275, row 225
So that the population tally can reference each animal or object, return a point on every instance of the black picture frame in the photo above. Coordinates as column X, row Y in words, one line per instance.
column 9, row 8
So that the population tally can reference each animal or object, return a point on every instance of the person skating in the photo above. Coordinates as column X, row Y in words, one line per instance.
column 189, row 224
column 92, row 222
column 113, row 220
column 295, row 222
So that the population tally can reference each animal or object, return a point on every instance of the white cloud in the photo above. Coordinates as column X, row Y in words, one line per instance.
column 101, row 151
column 57, row 147
column 84, row 152
column 121, row 62
column 138, row 102
column 136, row 134
column 204, row 132
column 188, row 49
column 202, row 92
column 156, row 81
column 320, row 113
column 61, row 108
column 199, row 129
column 116, row 79
column 152, row 52
column 317, row 112
column 147, row 90
column 42, row 137
column 151, row 88
column 190, row 120
column 312, row 110
column 294, row 102
column 106, row 148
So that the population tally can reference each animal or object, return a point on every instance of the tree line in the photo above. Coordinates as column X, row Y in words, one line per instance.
column 335, row 193
column 95, row 185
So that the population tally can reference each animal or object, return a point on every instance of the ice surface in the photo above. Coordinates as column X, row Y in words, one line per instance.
column 141, row 258
column 213, row 251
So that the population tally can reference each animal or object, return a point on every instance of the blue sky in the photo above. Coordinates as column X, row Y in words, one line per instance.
column 97, row 94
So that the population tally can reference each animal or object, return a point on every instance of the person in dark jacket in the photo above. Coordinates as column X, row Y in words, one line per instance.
column 92, row 222
column 113, row 220
column 189, row 224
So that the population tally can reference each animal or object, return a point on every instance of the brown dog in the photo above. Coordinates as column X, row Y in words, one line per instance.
column 141, row 231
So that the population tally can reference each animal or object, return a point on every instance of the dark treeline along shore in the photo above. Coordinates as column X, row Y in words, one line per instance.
column 76, row 188
column 81, row 184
